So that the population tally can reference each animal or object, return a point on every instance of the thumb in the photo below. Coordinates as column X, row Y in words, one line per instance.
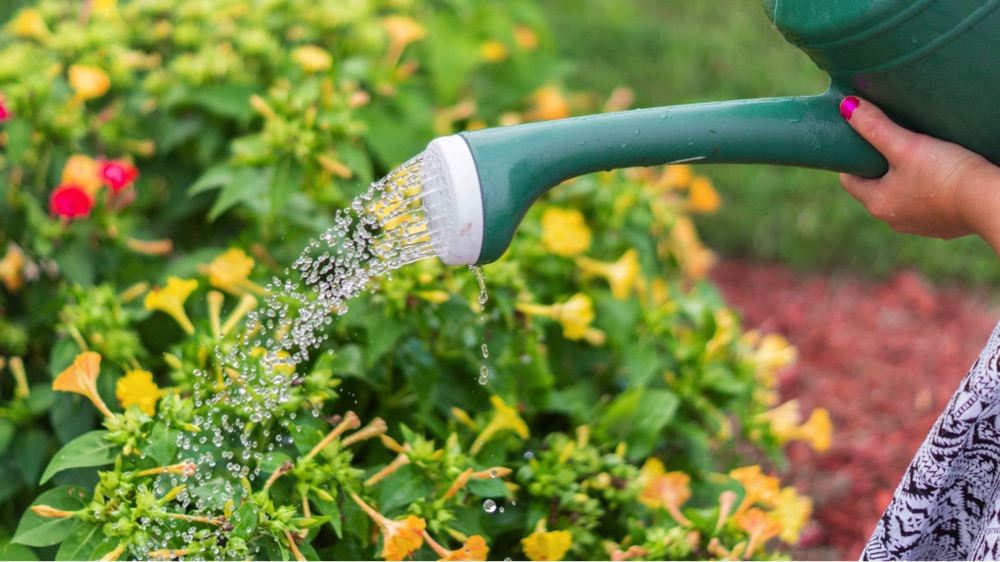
column 868, row 120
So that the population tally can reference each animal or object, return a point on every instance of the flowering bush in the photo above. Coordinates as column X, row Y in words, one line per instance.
column 163, row 164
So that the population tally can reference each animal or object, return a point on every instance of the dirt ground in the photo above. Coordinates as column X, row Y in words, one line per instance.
column 884, row 359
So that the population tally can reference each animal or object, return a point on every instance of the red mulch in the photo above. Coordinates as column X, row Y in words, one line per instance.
column 884, row 359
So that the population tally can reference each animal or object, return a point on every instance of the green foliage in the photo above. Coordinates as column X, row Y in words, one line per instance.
column 591, row 408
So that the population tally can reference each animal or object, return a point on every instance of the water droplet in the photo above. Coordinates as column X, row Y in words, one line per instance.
column 484, row 375
column 493, row 473
column 489, row 506
column 486, row 351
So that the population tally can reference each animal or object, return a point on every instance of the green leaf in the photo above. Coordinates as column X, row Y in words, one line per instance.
column 226, row 100
column 348, row 361
column 89, row 449
column 18, row 139
column 81, row 542
column 637, row 417
column 12, row 480
column 76, row 262
column 246, row 185
column 11, row 551
column 332, row 510
column 162, row 446
column 35, row 530
column 213, row 178
column 245, row 520
column 6, row 433
column 403, row 487
column 41, row 399
column 31, row 447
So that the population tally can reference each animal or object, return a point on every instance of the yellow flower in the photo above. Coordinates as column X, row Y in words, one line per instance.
column 771, row 354
column 622, row 275
column 793, row 512
column 81, row 378
column 759, row 488
column 312, row 58
column 759, row 528
column 668, row 490
column 549, row 104
column 29, row 24
column 786, row 424
column 399, row 538
column 436, row 297
column 12, row 268
column 564, row 232
column 137, row 387
column 547, row 545
column 493, row 51
column 88, row 82
column 104, row 7
column 575, row 315
column 505, row 418
column 170, row 299
column 83, row 171
column 702, row 196
column 230, row 271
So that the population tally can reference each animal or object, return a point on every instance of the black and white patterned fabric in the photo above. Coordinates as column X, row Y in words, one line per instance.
column 948, row 505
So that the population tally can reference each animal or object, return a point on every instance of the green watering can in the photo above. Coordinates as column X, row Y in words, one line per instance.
column 925, row 62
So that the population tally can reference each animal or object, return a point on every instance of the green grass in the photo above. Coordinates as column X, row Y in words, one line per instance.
column 672, row 52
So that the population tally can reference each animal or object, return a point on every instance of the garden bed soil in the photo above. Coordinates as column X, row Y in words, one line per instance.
column 883, row 357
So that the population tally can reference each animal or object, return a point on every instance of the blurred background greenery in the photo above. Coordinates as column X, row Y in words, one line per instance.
column 677, row 52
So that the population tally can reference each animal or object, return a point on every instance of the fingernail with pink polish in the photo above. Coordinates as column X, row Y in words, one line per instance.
column 848, row 106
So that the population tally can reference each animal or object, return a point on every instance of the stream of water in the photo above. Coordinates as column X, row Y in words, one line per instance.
column 384, row 229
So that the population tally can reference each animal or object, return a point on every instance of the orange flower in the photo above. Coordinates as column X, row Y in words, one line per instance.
column 549, row 104
column 474, row 549
column 759, row 527
column 702, row 196
column 12, row 268
column 83, row 171
column 759, row 487
column 399, row 538
column 81, row 378
column 88, row 82
column 668, row 490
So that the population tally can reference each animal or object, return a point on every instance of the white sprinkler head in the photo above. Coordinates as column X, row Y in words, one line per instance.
column 453, row 200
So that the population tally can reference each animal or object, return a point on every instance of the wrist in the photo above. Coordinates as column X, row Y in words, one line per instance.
column 980, row 203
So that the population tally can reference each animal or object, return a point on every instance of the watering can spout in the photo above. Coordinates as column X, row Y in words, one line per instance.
column 512, row 166
column 924, row 62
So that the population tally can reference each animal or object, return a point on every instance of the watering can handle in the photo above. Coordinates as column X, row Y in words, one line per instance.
column 517, row 164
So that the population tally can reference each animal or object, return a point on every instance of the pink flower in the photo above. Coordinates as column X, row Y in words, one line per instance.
column 70, row 201
column 117, row 174
column 4, row 111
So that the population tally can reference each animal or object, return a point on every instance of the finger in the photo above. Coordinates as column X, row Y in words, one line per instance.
column 858, row 187
column 872, row 124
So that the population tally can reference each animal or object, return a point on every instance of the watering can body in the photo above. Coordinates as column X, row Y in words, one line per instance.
column 930, row 64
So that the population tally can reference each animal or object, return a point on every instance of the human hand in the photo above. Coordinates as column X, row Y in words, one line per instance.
column 933, row 188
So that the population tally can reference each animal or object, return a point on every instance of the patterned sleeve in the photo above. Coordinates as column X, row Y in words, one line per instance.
column 946, row 507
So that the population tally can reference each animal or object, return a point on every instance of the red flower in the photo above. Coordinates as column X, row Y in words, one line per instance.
column 4, row 112
column 118, row 174
column 70, row 200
